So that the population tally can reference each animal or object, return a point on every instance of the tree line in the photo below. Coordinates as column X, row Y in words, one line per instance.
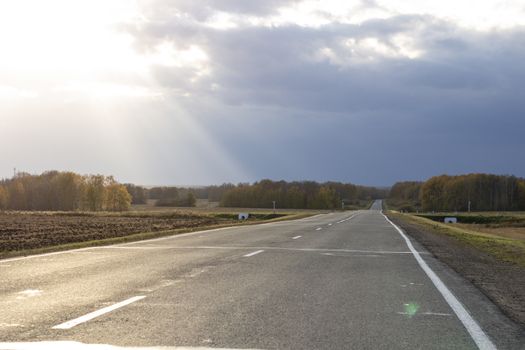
column 485, row 192
column 66, row 191
column 63, row 191
column 165, row 196
column 298, row 195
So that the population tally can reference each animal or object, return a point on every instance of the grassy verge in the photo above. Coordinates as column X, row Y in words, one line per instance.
column 147, row 235
column 503, row 249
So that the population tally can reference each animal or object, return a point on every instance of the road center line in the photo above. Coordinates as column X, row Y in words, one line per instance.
column 253, row 253
column 94, row 314
column 296, row 237
column 480, row 338
column 345, row 220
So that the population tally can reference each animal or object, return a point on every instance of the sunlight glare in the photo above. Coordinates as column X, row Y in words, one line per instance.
column 64, row 35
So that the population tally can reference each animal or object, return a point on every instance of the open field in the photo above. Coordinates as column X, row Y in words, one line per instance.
column 216, row 209
column 495, row 234
column 506, row 232
column 205, row 206
column 509, row 225
column 487, row 216
column 490, row 255
column 35, row 232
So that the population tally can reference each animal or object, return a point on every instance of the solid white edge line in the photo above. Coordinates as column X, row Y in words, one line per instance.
column 480, row 338
column 94, row 314
column 253, row 253
column 68, row 345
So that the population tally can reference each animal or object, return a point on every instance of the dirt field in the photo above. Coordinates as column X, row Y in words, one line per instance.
column 503, row 282
column 21, row 231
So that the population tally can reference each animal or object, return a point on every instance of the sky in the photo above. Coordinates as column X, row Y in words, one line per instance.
column 184, row 92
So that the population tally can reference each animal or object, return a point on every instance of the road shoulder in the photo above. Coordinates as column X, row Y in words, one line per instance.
column 499, row 281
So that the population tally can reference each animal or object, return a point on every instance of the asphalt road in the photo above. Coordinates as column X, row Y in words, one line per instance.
column 344, row 280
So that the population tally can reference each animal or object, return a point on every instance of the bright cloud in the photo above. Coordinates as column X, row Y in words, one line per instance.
column 479, row 15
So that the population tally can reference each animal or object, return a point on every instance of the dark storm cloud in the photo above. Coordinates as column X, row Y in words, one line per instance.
column 461, row 97
column 259, row 65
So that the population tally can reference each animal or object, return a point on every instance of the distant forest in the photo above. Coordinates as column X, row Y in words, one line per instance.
column 299, row 195
column 67, row 191
column 485, row 192
column 64, row 191
column 289, row 195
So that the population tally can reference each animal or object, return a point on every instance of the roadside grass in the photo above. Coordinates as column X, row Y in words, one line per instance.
column 487, row 218
column 504, row 249
column 266, row 218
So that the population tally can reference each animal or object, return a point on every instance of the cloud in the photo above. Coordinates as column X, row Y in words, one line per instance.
column 343, row 68
column 363, row 91
column 417, row 72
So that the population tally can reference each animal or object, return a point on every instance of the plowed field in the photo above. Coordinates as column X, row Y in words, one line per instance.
column 20, row 231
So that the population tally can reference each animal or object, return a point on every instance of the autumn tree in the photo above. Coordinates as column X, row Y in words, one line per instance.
column 484, row 192
column 325, row 198
column 117, row 197
column 68, row 189
column 17, row 195
column 405, row 195
column 521, row 194
column 94, row 192
column 4, row 198
column 191, row 201
column 138, row 194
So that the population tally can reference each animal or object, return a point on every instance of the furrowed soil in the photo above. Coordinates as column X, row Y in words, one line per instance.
column 502, row 282
column 31, row 230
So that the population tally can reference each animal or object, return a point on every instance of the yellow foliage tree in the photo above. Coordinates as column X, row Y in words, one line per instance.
column 117, row 197
column 4, row 198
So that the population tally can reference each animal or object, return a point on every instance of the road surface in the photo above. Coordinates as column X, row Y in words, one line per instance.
column 345, row 280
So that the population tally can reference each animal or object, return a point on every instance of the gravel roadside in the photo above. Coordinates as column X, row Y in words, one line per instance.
column 502, row 282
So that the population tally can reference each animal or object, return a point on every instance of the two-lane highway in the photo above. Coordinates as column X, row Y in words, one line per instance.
column 345, row 280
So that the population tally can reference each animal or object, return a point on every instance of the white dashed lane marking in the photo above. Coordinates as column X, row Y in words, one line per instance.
column 94, row 314
column 253, row 253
